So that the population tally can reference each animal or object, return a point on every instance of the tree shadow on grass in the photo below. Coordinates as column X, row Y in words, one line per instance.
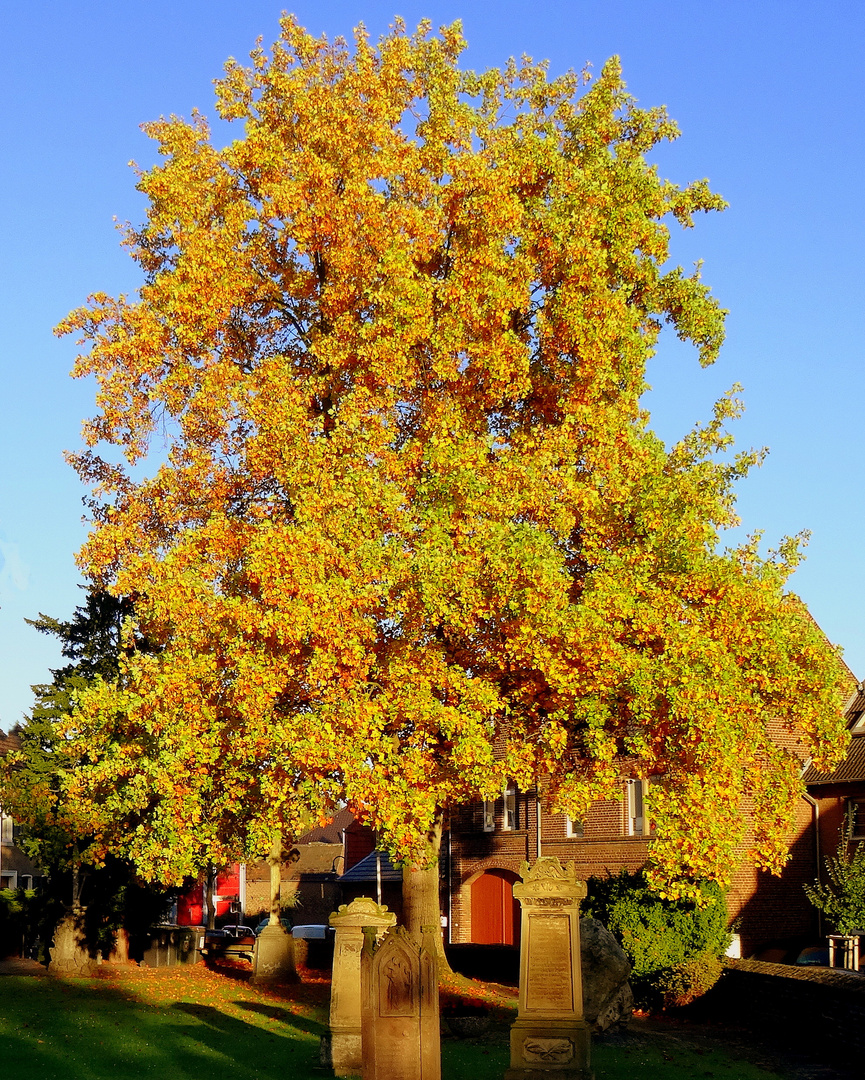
column 285, row 1016
column 73, row 1030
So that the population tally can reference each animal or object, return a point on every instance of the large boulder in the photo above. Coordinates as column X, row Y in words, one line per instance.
column 607, row 999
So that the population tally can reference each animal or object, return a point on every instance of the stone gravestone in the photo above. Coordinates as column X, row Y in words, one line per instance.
column 345, row 1002
column 550, row 1034
column 273, row 956
column 400, row 1007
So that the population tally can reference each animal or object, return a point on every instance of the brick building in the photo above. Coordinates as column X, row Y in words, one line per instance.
column 308, row 882
column 16, row 870
column 487, row 843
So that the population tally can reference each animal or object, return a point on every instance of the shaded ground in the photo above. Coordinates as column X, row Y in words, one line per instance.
column 188, row 1022
column 672, row 1035
column 16, row 966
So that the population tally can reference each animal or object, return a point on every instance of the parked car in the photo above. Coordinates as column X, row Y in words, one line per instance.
column 313, row 945
column 238, row 932
column 219, row 943
column 286, row 924
column 813, row 956
column 313, row 932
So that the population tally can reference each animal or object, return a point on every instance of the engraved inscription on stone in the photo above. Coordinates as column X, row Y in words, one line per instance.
column 397, row 1058
column 549, row 963
column 552, row 1050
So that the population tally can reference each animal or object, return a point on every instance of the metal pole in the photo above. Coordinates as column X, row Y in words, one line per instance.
column 815, row 821
column 378, row 875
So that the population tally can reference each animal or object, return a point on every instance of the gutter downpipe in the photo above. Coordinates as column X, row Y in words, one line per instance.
column 538, row 819
column 815, row 818
column 450, row 888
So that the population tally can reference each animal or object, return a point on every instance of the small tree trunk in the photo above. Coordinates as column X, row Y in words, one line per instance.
column 76, row 886
column 420, row 893
column 77, row 877
column 274, row 861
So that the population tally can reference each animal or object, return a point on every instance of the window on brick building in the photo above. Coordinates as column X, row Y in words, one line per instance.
column 6, row 828
column 489, row 816
column 510, row 820
column 856, row 818
column 574, row 828
column 636, row 823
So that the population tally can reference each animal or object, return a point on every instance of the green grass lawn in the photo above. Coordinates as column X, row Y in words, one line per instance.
column 184, row 1023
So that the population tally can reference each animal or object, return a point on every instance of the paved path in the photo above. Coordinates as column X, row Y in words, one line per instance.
column 16, row 966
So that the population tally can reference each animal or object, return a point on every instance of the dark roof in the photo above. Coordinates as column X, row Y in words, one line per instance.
column 852, row 768
column 315, row 859
column 366, row 869
column 330, row 833
column 855, row 708
column 8, row 743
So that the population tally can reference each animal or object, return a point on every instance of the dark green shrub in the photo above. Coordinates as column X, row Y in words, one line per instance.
column 667, row 941
column 17, row 914
column 681, row 984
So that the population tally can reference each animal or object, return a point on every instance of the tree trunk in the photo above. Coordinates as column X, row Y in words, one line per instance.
column 274, row 861
column 77, row 878
column 420, row 893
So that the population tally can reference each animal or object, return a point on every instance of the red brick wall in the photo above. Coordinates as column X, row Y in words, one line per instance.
column 771, row 909
column 768, row 909
column 602, row 849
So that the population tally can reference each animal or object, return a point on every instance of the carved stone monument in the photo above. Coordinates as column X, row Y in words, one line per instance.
column 345, row 1000
column 69, row 955
column 400, row 1007
column 273, row 957
column 550, row 1034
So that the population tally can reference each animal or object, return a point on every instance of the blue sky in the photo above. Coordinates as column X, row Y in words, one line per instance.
column 768, row 94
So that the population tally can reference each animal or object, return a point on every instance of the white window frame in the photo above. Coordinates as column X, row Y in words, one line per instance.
column 510, row 816
column 636, row 823
column 12, row 876
column 574, row 829
column 489, row 812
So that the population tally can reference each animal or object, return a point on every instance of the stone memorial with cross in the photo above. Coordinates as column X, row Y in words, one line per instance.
column 345, row 1002
column 550, row 1037
column 400, row 1011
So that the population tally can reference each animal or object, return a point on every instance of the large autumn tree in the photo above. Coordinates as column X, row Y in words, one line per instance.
column 387, row 500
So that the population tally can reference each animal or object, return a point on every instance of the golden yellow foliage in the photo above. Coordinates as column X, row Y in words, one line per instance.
column 405, row 534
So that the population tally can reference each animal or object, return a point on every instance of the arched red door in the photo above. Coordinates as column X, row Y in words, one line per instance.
column 495, row 912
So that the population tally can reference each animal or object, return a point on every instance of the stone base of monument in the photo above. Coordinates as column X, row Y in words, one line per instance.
column 345, row 1051
column 273, row 960
column 547, row 1049
column 68, row 955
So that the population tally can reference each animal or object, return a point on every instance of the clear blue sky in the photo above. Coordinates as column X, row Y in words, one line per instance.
column 768, row 93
